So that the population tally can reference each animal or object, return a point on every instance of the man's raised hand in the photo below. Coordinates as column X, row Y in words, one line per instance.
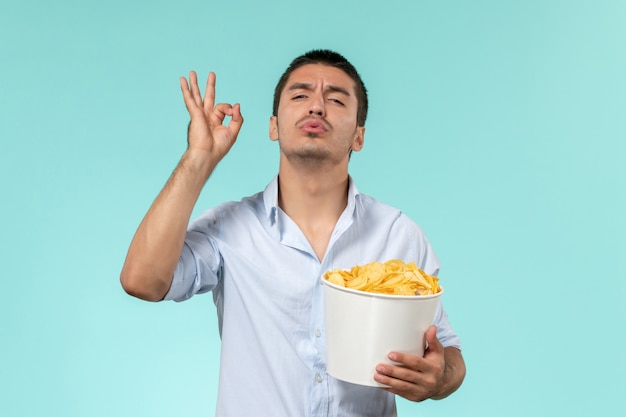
column 206, row 130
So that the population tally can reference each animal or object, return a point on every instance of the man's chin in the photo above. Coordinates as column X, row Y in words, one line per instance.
column 308, row 153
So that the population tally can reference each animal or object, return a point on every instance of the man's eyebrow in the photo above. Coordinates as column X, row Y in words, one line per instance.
column 309, row 86
column 300, row 86
column 339, row 90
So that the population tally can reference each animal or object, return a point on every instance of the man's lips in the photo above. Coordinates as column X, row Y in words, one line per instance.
column 310, row 125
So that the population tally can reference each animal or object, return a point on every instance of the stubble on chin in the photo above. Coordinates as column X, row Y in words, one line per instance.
column 312, row 152
column 308, row 153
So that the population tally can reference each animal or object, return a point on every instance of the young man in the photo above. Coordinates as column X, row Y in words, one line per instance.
column 263, row 256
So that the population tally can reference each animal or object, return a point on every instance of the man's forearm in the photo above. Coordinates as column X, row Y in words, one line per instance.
column 158, row 242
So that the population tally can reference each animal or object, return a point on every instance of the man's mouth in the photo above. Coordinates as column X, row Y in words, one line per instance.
column 311, row 125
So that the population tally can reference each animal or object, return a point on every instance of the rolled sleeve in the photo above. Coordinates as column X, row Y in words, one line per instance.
column 197, row 270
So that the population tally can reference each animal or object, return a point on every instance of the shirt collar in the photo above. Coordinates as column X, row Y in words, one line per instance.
column 270, row 198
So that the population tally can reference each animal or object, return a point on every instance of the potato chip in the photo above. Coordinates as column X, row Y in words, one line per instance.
column 336, row 278
column 392, row 277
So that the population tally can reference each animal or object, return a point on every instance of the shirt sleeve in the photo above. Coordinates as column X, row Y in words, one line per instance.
column 198, row 268
column 428, row 260
column 429, row 263
column 445, row 333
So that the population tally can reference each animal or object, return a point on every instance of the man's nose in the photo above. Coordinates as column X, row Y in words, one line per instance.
column 317, row 107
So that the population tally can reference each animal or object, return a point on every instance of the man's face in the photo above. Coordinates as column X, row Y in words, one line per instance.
column 316, row 117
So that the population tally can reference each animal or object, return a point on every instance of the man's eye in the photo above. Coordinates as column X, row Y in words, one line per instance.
column 299, row 97
column 336, row 100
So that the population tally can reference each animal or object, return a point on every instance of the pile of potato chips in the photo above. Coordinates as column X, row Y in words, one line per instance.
column 392, row 277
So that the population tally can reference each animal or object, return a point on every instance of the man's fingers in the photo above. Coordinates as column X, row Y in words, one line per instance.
column 205, row 110
column 399, row 373
column 195, row 90
column 237, row 119
column 431, row 338
column 184, row 87
column 222, row 110
column 190, row 99
column 209, row 94
column 410, row 361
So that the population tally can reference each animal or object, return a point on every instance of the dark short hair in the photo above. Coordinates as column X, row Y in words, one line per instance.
column 332, row 59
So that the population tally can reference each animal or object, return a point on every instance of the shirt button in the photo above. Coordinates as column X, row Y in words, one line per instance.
column 318, row 333
column 318, row 378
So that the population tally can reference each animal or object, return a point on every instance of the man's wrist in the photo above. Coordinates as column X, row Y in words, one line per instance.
column 198, row 162
column 453, row 374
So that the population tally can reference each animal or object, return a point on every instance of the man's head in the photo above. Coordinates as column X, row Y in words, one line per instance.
column 332, row 59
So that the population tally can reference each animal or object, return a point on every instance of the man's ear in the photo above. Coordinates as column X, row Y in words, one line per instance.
column 359, row 138
column 273, row 128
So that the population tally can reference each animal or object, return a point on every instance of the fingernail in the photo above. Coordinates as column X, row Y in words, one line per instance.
column 393, row 356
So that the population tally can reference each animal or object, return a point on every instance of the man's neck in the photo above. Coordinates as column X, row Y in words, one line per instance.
column 314, row 200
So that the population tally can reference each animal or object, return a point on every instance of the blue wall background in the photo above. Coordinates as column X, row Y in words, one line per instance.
column 498, row 126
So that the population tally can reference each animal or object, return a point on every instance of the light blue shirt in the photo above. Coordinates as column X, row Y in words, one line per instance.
column 265, row 278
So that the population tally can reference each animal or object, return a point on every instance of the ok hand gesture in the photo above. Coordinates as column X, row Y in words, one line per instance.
column 207, row 132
